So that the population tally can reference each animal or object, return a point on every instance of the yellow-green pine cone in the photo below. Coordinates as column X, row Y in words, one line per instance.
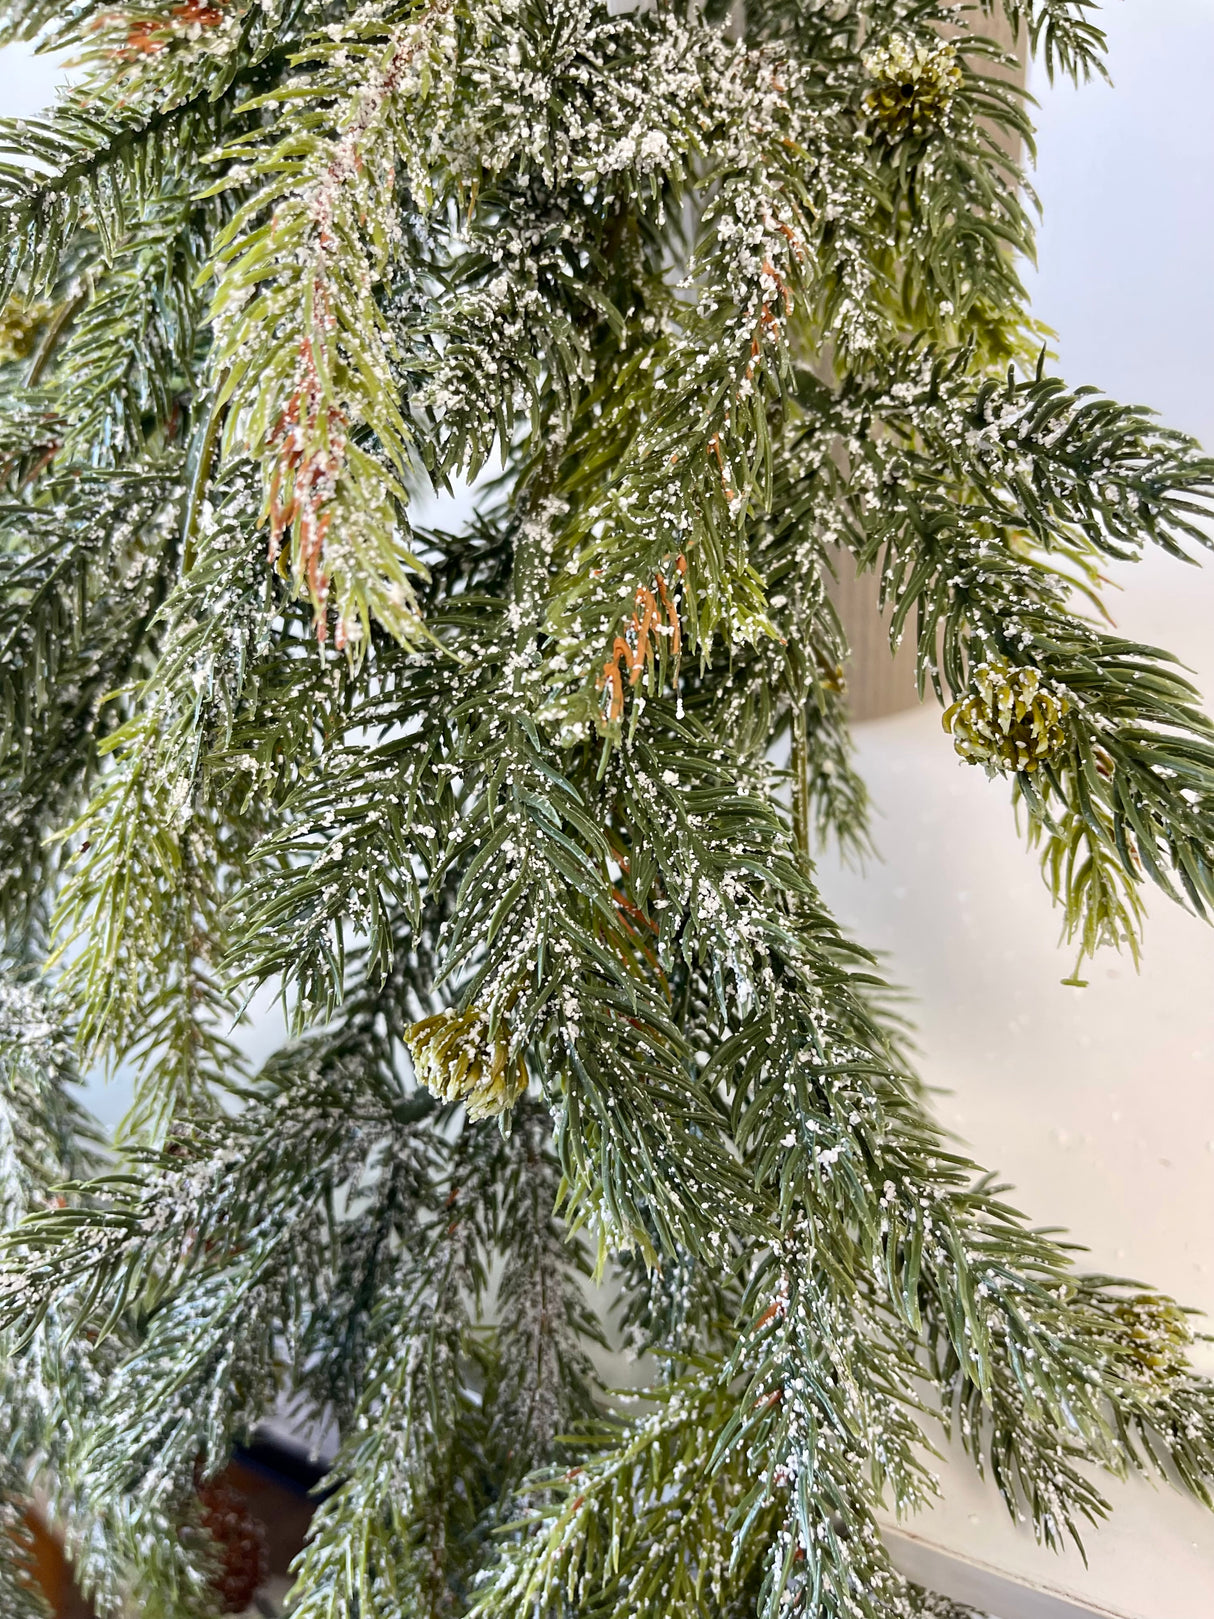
column 457, row 1059
column 19, row 323
column 913, row 86
column 1010, row 721
column 1157, row 1335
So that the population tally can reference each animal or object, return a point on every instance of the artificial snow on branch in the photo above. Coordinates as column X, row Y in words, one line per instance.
column 517, row 816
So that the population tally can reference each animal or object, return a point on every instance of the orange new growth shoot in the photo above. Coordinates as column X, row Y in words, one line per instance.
column 150, row 36
column 676, row 633
column 770, row 269
column 767, row 321
column 142, row 39
column 631, row 657
column 793, row 240
column 610, row 678
column 197, row 11
column 310, row 439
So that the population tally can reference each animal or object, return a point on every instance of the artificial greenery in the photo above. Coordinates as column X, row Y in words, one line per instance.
column 519, row 820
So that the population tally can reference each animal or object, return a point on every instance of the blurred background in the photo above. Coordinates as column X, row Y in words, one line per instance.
column 1097, row 1104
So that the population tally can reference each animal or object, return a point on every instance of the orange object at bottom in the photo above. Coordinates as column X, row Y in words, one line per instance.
column 49, row 1569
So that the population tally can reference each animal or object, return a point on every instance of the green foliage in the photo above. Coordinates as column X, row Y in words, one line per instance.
column 48, row 1395
column 302, row 349
column 1062, row 32
column 74, row 617
column 996, row 502
column 519, row 819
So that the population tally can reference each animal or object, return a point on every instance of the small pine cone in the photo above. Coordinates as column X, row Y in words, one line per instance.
column 913, row 86
column 1011, row 721
column 240, row 1539
column 1156, row 1335
column 457, row 1059
column 18, row 324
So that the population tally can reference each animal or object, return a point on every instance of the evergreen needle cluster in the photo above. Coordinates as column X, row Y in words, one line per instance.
column 518, row 819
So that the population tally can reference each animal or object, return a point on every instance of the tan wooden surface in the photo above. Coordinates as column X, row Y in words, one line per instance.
column 878, row 681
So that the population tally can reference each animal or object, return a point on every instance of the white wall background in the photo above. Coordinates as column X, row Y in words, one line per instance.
column 1124, row 175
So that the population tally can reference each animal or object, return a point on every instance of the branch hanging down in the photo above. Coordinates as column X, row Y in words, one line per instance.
column 300, row 333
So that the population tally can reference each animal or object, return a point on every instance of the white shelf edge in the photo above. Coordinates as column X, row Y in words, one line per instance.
column 982, row 1585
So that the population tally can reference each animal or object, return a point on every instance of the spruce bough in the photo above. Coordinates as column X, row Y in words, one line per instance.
column 519, row 819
